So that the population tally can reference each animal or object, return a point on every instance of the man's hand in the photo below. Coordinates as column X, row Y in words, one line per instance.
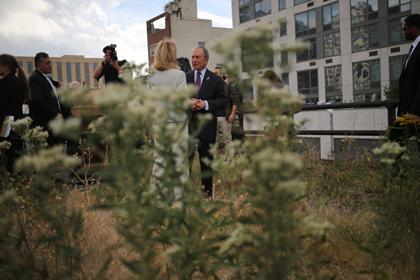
column 198, row 104
column 231, row 118
column 59, row 116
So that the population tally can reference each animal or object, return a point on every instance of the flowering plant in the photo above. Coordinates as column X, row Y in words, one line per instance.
column 405, row 127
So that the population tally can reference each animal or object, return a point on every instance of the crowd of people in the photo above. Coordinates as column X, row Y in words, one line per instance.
column 216, row 94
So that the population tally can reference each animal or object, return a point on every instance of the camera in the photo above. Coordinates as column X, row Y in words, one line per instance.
column 111, row 48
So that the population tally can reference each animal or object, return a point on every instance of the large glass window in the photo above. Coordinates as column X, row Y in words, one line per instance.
column 332, row 44
column 30, row 67
column 244, row 14
column 395, row 35
column 282, row 4
column 262, row 8
column 59, row 71
column 297, row 2
column 308, row 85
column 78, row 72
column 87, row 76
column 243, row 2
column 367, row 81
column 333, row 84
column 309, row 52
column 396, row 64
column 362, row 10
column 365, row 37
column 283, row 28
column 284, row 56
column 95, row 82
column 305, row 23
column 331, row 16
column 398, row 6
column 68, row 72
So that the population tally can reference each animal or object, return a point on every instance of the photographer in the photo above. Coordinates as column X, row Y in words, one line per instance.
column 110, row 67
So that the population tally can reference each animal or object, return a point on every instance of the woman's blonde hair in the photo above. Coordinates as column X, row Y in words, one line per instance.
column 165, row 55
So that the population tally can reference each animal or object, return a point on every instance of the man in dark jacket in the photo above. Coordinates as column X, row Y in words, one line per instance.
column 410, row 76
column 44, row 103
column 209, row 98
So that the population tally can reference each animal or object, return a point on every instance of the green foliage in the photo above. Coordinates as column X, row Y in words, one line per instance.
column 39, row 234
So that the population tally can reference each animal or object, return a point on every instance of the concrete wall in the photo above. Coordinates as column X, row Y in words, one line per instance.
column 189, row 32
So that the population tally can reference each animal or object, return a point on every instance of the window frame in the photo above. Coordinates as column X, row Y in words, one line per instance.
column 370, row 32
column 338, row 89
column 313, row 90
column 373, row 92
column 308, row 30
column 366, row 16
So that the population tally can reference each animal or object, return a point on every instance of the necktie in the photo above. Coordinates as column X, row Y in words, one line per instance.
column 198, row 79
column 408, row 56
column 55, row 92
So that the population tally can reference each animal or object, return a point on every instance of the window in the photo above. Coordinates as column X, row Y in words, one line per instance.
column 366, row 81
column 365, row 38
column 333, row 84
column 95, row 82
column 282, row 4
column 244, row 14
column 309, row 52
column 331, row 16
column 68, row 72
column 30, row 67
column 243, row 2
column 158, row 25
column 398, row 6
column 202, row 44
column 332, row 45
column 396, row 64
column 305, row 23
column 284, row 56
column 152, row 50
column 308, row 85
column 395, row 35
column 262, row 8
column 363, row 10
column 297, row 2
column 59, row 71
column 78, row 72
column 285, row 78
column 283, row 28
column 87, row 75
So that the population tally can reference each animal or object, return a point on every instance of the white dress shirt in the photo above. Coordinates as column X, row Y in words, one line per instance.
column 203, row 72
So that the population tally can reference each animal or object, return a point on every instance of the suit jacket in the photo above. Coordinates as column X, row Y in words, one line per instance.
column 409, row 85
column 211, row 90
column 43, row 106
column 11, row 99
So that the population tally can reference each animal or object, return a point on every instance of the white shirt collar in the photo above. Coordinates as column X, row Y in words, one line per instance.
column 415, row 43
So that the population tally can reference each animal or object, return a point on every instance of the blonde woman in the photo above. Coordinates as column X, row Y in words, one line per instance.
column 168, row 75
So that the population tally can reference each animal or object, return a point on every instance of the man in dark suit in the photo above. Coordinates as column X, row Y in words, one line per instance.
column 44, row 103
column 409, row 82
column 210, row 98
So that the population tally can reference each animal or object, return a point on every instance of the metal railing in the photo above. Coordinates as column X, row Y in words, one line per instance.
column 390, row 106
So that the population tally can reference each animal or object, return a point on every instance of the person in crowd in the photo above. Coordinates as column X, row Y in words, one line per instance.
column 209, row 98
column 272, row 77
column 409, row 82
column 44, row 103
column 237, row 127
column 14, row 91
column 110, row 67
column 168, row 75
column 225, row 117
